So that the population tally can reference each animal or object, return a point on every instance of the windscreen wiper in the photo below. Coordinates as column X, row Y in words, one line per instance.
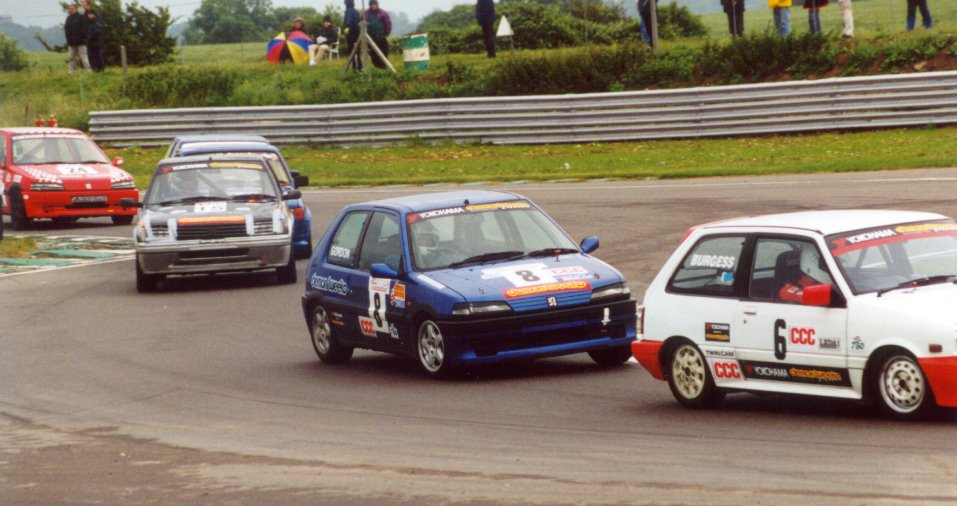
column 488, row 257
column 189, row 200
column 927, row 280
column 547, row 252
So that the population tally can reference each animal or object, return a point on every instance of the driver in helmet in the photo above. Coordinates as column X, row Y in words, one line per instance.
column 183, row 184
column 811, row 272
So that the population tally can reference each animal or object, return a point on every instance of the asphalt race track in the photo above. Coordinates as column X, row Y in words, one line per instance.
column 208, row 392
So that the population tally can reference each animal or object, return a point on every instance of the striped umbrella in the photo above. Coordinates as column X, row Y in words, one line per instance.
column 294, row 48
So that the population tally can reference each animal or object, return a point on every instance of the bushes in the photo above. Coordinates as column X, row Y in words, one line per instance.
column 757, row 56
column 176, row 86
column 11, row 56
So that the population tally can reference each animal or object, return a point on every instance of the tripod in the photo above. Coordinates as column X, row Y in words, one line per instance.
column 364, row 43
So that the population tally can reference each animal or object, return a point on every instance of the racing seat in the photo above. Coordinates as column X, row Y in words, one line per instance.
column 787, row 269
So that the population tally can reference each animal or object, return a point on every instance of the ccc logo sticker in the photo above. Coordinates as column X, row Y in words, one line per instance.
column 727, row 370
column 803, row 335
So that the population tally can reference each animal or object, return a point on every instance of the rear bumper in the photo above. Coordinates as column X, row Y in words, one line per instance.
column 194, row 257
column 647, row 354
column 54, row 204
column 541, row 334
column 941, row 373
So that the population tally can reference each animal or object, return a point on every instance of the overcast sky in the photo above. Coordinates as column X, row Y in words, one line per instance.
column 48, row 13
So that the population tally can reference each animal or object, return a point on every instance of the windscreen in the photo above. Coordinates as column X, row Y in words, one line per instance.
column 456, row 236
column 43, row 149
column 228, row 181
column 888, row 257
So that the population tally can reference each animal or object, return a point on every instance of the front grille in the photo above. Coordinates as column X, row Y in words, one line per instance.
column 192, row 232
column 538, row 302
column 262, row 227
column 159, row 229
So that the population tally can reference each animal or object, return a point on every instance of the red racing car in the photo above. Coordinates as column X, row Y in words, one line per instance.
column 60, row 174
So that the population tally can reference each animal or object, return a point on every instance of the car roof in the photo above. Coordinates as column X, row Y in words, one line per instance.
column 227, row 146
column 212, row 157
column 183, row 139
column 427, row 201
column 40, row 131
column 827, row 222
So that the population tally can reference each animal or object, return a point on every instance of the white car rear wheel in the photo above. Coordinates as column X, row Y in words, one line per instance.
column 690, row 380
column 904, row 392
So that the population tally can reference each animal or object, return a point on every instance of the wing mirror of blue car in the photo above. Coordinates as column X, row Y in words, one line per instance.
column 299, row 179
column 127, row 203
column 589, row 244
column 816, row 295
column 292, row 195
column 383, row 271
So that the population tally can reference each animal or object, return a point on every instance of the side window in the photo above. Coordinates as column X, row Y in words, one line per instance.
column 381, row 243
column 3, row 152
column 346, row 240
column 710, row 266
column 783, row 267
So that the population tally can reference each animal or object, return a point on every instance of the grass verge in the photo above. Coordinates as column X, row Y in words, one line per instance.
column 17, row 247
column 455, row 163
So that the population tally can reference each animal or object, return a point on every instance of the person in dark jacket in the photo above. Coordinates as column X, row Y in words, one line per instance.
column 94, row 41
column 912, row 7
column 485, row 15
column 813, row 8
column 734, row 9
column 350, row 22
column 75, row 29
column 327, row 36
column 644, row 12
column 379, row 28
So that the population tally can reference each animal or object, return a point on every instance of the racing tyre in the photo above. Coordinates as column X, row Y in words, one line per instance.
column 902, row 389
column 286, row 275
column 430, row 346
column 610, row 357
column 145, row 283
column 690, row 379
column 18, row 211
column 327, row 347
column 122, row 219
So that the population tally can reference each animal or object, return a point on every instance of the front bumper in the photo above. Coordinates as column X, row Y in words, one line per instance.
column 941, row 373
column 219, row 255
column 77, row 204
column 541, row 334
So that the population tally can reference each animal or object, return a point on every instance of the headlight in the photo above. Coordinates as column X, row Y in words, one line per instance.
column 471, row 308
column 124, row 185
column 45, row 187
column 611, row 291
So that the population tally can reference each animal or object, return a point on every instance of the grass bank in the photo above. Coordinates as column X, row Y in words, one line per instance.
column 17, row 247
column 451, row 163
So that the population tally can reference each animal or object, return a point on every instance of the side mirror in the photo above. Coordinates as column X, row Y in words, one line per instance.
column 816, row 295
column 299, row 180
column 383, row 271
column 127, row 203
column 589, row 244
column 118, row 161
column 292, row 195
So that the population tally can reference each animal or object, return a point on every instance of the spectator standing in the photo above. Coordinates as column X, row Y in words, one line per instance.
column 327, row 36
column 379, row 28
column 644, row 13
column 813, row 8
column 351, row 22
column 734, row 9
column 782, row 16
column 847, row 15
column 912, row 6
column 75, row 29
column 94, row 41
column 485, row 15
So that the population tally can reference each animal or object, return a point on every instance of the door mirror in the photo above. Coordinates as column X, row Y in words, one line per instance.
column 300, row 180
column 589, row 244
column 383, row 271
column 118, row 161
column 292, row 195
column 127, row 203
column 816, row 295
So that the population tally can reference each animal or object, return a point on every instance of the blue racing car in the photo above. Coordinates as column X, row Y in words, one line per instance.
column 462, row 278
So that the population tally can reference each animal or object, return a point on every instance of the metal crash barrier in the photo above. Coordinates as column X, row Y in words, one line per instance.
column 834, row 104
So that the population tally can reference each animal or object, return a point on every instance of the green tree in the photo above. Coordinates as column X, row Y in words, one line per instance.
column 457, row 18
column 141, row 30
column 11, row 56
column 226, row 21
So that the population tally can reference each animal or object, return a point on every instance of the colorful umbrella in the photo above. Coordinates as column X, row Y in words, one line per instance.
column 295, row 48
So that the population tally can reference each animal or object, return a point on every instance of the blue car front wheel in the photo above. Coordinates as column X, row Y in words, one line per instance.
column 431, row 350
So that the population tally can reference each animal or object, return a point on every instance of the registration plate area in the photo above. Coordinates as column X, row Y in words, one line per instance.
column 82, row 199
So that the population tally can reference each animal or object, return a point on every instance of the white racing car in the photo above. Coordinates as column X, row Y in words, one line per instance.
column 850, row 304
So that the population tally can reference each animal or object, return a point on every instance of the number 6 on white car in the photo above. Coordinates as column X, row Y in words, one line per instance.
column 849, row 304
